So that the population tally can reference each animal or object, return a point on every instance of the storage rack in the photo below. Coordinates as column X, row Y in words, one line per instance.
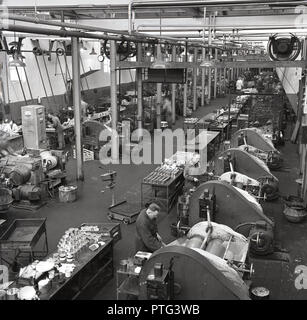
column 165, row 194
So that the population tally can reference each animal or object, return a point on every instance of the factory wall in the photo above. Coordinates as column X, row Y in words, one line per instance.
column 290, row 78
column 98, row 76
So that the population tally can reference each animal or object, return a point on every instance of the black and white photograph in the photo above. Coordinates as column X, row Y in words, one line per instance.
column 153, row 153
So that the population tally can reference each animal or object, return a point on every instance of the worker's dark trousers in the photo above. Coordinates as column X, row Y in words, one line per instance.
column 61, row 141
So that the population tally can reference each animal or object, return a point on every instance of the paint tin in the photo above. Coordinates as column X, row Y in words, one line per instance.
column 12, row 294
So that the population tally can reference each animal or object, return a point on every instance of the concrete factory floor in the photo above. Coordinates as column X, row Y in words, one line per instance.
column 92, row 206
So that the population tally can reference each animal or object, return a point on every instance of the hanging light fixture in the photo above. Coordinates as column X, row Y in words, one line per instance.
column 16, row 62
column 159, row 64
column 207, row 63
column 224, row 54
column 93, row 52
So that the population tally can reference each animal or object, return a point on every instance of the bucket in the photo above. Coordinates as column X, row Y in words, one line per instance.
column 12, row 294
column 2, row 295
column 67, row 193
column 20, row 174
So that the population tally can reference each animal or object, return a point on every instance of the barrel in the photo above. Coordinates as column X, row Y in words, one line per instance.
column 67, row 193
column 20, row 174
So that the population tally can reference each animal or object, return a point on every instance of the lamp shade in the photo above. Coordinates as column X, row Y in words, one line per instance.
column 93, row 52
column 15, row 62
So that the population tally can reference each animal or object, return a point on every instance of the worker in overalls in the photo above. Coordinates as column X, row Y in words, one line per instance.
column 56, row 124
column 147, row 236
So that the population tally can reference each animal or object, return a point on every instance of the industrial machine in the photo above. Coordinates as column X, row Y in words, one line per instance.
column 210, row 262
column 34, row 127
column 272, row 158
column 253, row 141
column 253, row 137
column 235, row 208
column 30, row 177
column 240, row 161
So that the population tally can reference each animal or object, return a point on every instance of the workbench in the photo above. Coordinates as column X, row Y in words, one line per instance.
column 93, row 269
column 22, row 236
column 166, row 193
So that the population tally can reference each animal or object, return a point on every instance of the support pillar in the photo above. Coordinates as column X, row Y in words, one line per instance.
column 77, row 105
column 195, row 80
column 159, row 91
column 203, row 79
column 215, row 75
column 174, row 89
column 114, row 111
column 139, row 89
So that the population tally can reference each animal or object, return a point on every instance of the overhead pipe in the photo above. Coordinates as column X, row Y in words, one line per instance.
column 61, row 33
column 124, row 35
column 207, row 3
column 192, row 27
column 185, row 3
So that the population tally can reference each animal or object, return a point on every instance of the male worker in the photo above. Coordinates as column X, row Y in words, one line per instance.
column 239, row 84
column 147, row 237
column 56, row 123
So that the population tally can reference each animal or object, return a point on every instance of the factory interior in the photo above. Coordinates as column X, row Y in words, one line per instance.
column 157, row 153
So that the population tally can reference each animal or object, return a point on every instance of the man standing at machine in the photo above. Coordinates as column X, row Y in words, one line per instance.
column 147, row 236
column 56, row 124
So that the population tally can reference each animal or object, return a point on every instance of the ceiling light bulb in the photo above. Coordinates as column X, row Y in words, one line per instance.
column 93, row 52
